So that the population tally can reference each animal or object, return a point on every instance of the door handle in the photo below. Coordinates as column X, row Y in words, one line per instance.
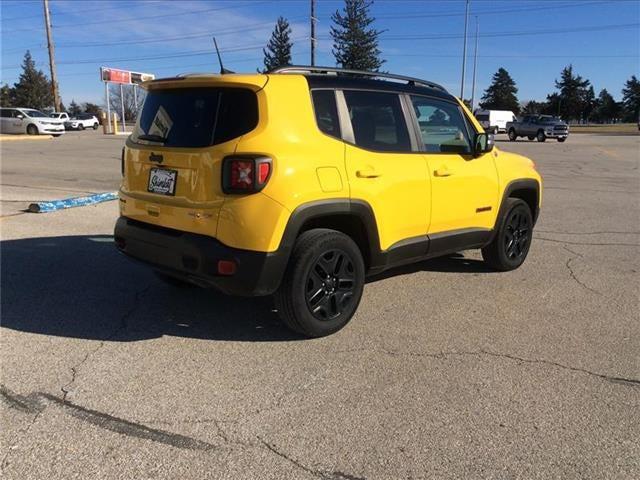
column 442, row 172
column 367, row 173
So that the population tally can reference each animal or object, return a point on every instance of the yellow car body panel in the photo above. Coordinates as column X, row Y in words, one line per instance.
column 411, row 194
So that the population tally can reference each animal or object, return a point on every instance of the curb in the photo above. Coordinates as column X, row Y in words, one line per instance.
column 18, row 137
column 44, row 207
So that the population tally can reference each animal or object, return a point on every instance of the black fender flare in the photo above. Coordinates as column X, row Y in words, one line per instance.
column 512, row 186
column 328, row 208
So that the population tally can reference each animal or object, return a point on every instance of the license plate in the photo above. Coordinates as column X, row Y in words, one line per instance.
column 162, row 181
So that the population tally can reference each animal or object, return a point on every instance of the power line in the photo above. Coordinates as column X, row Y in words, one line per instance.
column 201, row 34
column 492, row 12
column 91, row 10
column 137, row 19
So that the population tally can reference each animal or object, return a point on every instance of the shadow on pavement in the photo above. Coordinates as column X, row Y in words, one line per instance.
column 81, row 287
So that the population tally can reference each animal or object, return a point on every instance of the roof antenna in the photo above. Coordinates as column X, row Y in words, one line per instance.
column 222, row 69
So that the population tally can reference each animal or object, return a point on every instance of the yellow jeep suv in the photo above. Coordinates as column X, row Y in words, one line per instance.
column 304, row 181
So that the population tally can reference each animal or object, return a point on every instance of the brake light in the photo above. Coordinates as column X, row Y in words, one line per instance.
column 245, row 174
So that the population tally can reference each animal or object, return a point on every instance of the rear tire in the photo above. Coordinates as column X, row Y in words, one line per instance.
column 541, row 136
column 95, row 126
column 32, row 130
column 512, row 135
column 510, row 245
column 323, row 284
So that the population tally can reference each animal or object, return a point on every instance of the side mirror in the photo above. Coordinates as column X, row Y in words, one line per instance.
column 20, row 116
column 483, row 143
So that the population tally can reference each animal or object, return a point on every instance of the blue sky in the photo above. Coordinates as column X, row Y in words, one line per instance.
column 533, row 40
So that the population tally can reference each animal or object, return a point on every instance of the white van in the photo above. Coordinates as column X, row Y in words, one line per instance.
column 494, row 121
column 30, row 121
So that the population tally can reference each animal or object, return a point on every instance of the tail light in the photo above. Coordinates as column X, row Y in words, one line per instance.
column 245, row 174
column 122, row 162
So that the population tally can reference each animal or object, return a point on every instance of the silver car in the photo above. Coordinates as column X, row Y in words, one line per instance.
column 30, row 121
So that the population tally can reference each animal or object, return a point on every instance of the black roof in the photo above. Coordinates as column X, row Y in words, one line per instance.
column 332, row 77
column 358, row 83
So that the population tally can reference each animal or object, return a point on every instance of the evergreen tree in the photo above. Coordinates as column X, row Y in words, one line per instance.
column 631, row 99
column 74, row 108
column 92, row 108
column 33, row 90
column 278, row 51
column 501, row 94
column 607, row 109
column 7, row 96
column 533, row 107
column 355, row 41
column 575, row 95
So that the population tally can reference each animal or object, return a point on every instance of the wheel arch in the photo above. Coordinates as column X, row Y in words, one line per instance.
column 526, row 189
column 354, row 218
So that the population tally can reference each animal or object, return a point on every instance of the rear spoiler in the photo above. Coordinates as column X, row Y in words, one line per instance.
column 254, row 82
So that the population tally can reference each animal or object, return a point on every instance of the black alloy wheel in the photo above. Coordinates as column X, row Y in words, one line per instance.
column 517, row 234
column 330, row 285
column 510, row 245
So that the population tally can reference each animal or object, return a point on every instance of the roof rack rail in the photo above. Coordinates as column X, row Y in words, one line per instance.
column 345, row 71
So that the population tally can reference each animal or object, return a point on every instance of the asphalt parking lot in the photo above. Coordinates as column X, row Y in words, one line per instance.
column 448, row 370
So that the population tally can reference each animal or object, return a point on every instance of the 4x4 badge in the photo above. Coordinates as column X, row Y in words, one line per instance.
column 155, row 158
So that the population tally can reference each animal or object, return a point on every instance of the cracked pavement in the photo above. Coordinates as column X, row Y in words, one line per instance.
column 447, row 370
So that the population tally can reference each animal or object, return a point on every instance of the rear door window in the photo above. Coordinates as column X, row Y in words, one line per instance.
column 378, row 121
column 196, row 117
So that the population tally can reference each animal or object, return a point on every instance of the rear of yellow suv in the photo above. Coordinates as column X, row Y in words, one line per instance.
column 301, row 183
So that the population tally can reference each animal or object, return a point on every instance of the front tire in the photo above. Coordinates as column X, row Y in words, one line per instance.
column 510, row 245
column 323, row 284
column 512, row 135
column 32, row 130
column 562, row 139
column 541, row 136
column 81, row 127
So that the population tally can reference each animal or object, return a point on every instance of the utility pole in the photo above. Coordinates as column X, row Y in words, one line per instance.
column 313, row 32
column 52, row 61
column 475, row 66
column 464, row 49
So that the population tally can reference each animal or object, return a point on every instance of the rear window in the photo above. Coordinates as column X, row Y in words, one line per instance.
column 196, row 117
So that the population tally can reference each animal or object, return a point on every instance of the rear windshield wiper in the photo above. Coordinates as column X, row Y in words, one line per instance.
column 152, row 138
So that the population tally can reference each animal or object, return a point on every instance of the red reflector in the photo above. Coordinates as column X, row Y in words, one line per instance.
column 226, row 267
column 242, row 174
column 263, row 172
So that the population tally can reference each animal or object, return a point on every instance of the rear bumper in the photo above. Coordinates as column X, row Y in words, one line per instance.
column 194, row 258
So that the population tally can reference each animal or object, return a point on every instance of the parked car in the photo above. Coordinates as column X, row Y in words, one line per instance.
column 82, row 121
column 538, row 127
column 308, row 180
column 64, row 116
column 30, row 121
column 494, row 121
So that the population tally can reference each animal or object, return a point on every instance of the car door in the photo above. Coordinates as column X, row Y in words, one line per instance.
column 384, row 165
column 464, row 188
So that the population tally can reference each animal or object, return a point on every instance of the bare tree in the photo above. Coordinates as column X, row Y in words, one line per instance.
column 131, row 108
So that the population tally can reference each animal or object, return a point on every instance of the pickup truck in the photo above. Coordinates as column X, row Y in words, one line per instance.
column 539, row 127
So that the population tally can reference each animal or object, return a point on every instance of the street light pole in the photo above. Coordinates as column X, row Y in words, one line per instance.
column 475, row 66
column 313, row 32
column 52, row 61
column 464, row 49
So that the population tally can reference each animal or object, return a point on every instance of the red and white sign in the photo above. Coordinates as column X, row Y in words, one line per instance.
column 114, row 75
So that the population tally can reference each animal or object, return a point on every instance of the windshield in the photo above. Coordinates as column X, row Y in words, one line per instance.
column 196, row 117
column 55, row 115
column 34, row 113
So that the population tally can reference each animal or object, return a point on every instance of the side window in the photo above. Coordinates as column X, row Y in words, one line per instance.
column 378, row 122
column 442, row 126
column 324, row 105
